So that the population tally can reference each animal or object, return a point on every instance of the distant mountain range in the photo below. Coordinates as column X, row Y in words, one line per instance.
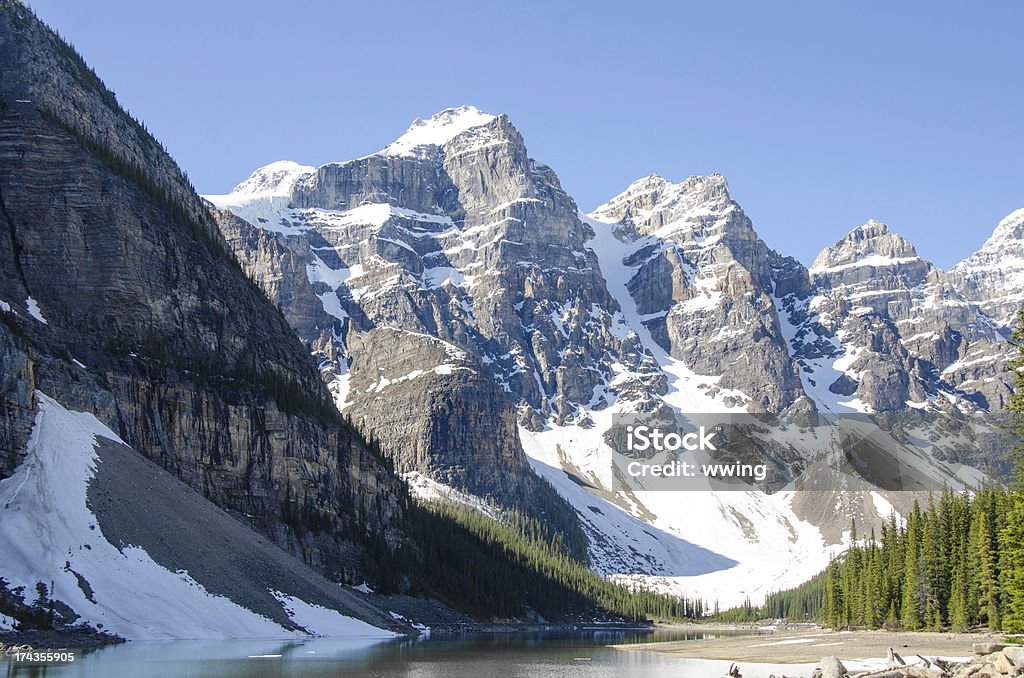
column 472, row 320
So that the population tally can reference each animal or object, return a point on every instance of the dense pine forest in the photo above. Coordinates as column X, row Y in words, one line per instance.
column 502, row 569
column 952, row 565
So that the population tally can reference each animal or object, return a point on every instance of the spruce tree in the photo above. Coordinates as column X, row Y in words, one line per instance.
column 960, row 609
column 832, row 606
column 988, row 575
column 933, row 566
column 1011, row 538
column 913, row 598
column 873, row 590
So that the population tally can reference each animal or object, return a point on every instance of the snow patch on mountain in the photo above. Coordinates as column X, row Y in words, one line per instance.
column 275, row 179
column 725, row 547
column 33, row 310
column 437, row 130
column 49, row 533
column 427, row 489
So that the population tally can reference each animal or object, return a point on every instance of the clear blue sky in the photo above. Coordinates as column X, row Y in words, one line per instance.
column 820, row 114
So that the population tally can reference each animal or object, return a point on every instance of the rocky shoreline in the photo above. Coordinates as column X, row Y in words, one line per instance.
column 990, row 660
column 820, row 653
column 12, row 642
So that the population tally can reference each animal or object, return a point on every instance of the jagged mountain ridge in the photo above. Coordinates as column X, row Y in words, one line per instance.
column 701, row 273
column 994, row 275
column 404, row 276
column 456, row 273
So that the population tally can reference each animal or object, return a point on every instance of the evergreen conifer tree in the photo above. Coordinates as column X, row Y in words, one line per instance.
column 1011, row 537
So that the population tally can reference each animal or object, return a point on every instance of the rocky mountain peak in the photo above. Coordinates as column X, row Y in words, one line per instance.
column 437, row 130
column 993, row 276
column 871, row 244
column 1009, row 233
column 652, row 201
column 275, row 179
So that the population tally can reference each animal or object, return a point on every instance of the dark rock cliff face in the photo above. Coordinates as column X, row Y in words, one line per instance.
column 151, row 324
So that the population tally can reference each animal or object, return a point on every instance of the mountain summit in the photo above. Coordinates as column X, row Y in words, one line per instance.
column 437, row 130
column 994, row 275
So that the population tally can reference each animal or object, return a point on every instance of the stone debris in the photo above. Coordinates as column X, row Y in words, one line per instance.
column 991, row 660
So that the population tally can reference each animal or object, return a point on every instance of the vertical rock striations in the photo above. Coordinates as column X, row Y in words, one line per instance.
column 121, row 298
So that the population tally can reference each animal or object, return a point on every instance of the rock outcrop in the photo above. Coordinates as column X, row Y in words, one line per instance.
column 908, row 332
column 703, row 283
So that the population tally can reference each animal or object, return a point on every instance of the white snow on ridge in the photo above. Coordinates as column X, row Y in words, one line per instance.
column 268, row 212
column 874, row 260
column 48, row 533
column 275, row 179
column 440, row 370
column 438, row 130
column 263, row 198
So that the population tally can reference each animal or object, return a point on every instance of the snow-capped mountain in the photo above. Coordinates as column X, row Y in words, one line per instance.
column 993, row 277
column 475, row 323
column 906, row 333
column 456, row 293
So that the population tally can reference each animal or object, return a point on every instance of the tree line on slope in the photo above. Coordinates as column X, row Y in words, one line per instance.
column 504, row 568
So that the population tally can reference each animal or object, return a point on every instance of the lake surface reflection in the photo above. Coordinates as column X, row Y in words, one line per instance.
column 506, row 655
